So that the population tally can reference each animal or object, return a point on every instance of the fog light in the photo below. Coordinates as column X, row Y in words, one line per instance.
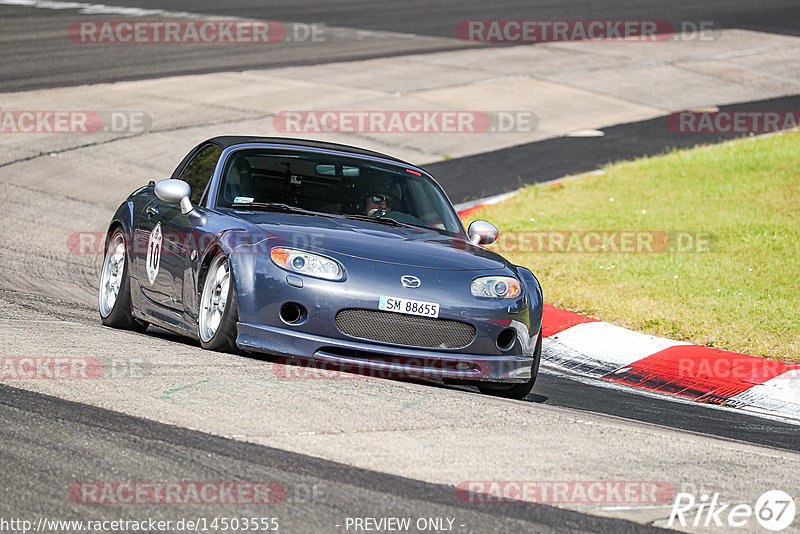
column 506, row 339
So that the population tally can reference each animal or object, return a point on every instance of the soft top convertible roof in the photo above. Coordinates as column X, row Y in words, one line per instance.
column 226, row 141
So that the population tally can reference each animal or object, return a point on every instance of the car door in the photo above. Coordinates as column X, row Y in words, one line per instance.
column 167, row 229
column 169, row 232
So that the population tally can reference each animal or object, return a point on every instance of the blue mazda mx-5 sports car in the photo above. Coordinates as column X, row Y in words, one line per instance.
column 328, row 253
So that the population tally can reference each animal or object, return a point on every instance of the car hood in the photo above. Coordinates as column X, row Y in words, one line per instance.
column 377, row 242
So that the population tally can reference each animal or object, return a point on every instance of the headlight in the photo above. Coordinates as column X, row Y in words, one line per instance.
column 496, row 287
column 304, row 262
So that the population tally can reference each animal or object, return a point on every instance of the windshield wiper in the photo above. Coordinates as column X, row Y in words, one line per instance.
column 286, row 208
column 278, row 206
column 383, row 220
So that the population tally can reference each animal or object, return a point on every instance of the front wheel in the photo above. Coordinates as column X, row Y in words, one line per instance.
column 218, row 309
column 116, row 309
column 516, row 391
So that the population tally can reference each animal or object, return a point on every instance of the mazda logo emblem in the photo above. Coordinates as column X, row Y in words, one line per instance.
column 411, row 282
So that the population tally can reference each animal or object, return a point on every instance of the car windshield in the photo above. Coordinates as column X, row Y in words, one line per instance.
column 341, row 186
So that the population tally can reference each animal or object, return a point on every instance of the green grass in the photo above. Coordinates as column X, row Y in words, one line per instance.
column 743, row 295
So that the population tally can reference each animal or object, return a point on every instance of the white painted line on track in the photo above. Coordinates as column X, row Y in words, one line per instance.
column 101, row 9
column 336, row 32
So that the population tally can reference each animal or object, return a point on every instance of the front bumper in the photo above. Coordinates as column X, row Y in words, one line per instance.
column 383, row 360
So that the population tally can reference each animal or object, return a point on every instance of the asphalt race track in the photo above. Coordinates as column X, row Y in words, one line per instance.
column 48, row 440
column 34, row 56
column 165, row 410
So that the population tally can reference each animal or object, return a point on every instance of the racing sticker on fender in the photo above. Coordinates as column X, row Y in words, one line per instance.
column 411, row 307
column 154, row 253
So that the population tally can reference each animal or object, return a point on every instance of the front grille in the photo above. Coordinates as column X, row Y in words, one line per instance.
column 401, row 329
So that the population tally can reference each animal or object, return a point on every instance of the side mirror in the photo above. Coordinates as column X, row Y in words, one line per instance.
column 482, row 233
column 175, row 192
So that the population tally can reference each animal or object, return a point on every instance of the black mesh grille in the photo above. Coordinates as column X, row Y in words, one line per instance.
column 401, row 329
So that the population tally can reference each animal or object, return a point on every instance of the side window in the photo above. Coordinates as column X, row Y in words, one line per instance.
column 199, row 170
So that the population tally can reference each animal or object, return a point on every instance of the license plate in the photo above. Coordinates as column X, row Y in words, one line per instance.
column 411, row 307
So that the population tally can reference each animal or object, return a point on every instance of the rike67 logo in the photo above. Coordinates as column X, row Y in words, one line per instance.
column 774, row 510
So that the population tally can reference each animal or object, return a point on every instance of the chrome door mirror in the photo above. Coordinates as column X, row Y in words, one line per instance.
column 175, row 192
column 482, row 233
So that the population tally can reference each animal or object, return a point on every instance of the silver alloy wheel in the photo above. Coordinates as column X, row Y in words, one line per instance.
column 214, row 297
column 111, row 277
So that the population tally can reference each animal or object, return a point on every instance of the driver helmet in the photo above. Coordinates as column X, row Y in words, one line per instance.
column 384, row 188
column 241, row 172
column 239, row 179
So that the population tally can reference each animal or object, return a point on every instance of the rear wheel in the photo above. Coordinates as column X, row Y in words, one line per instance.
column 218, row 309
column 116, row 309
column 515, row 391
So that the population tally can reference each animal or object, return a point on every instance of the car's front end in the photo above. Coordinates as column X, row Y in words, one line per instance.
column 388, row 302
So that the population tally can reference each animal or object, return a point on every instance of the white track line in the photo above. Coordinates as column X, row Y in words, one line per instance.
column 103, row 9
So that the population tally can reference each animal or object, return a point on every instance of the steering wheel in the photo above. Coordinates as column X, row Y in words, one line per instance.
column 377, row 212
column 398, row 216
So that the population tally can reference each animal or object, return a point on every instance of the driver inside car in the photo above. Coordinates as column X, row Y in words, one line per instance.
column 383, row 197
column 239, row 182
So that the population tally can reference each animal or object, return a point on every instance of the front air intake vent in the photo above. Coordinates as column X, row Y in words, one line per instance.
column 408, row 330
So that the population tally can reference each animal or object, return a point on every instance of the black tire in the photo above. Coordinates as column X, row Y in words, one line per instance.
column 121, row 314
column 224, row 338
column 515, row 391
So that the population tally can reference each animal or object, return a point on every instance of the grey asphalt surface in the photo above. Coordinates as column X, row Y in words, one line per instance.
column 36, row 51
column 49, row 444
column 440, row 18
column 558, row 390
column 590, row 395
column 585, row 394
